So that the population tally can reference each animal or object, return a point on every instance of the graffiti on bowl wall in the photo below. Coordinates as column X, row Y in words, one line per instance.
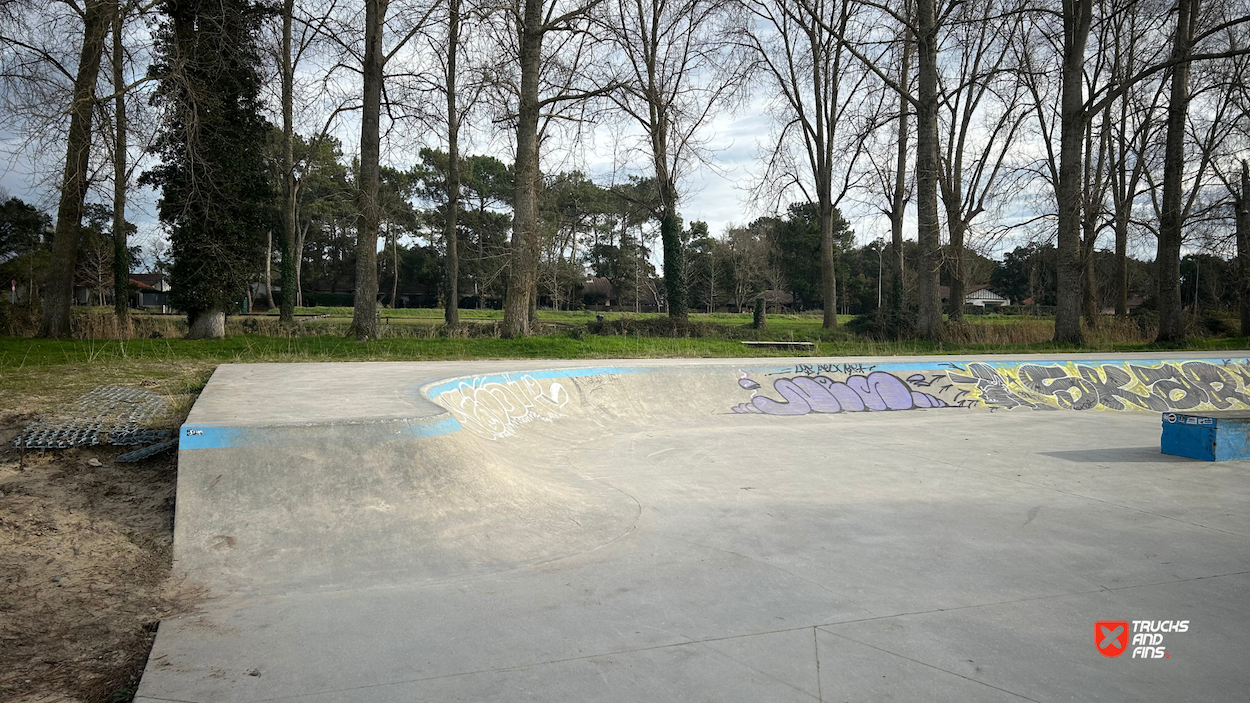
column 874, row 391
column 1157, row 386
column 494, row 409
column 1122, row 385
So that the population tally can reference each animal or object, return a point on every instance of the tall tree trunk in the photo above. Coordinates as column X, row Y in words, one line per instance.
column 1243, row 249
column 670, row 221
column 828, row 262
column 533, row 311
column 290, row 252
column 1123, row 190
column 59, row 292
column 1168, row 258
column 1092, row 211
column 1089, row 286
column 1089, row 232
column 269, row 269
column 1121, row 266
column 121, row 253
column 299, row 265
column 394, row 262
column 451, row 310
column 365, row 313
column 928, row 234
column 521, row 278
column 674, row 258
column 955, row 301
column 898, row 202
column 1076, row 24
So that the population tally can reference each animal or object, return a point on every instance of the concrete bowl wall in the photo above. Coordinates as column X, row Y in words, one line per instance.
column 381, row 473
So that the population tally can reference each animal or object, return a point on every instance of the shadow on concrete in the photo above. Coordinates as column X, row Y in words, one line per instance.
column 1121, row 455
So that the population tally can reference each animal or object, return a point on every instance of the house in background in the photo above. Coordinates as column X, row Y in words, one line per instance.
column 598, row 294
column 151, row 290
column 981, row 296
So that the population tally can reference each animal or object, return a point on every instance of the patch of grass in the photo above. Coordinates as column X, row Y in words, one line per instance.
column 140, row 357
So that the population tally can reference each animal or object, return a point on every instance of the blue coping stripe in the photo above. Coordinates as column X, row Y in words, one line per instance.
column 440, row 388
column 206, row 437
column 216, row 437
column 861, row 367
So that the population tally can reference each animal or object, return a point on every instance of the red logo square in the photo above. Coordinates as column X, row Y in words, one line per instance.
column 1111, row 637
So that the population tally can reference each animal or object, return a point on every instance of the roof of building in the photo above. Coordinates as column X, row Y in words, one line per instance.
column 150, row 280
column 597, row 285
column 778, row 297
column 945, row 291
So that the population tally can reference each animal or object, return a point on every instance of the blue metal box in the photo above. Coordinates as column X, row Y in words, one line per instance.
column 1213, row 436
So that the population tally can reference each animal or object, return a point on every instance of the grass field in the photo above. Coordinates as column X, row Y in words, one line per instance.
column 34, row 372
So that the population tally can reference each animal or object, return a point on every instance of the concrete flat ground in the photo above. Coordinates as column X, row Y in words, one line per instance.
column 613, row 551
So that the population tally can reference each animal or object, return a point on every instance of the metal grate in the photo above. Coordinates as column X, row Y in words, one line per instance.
column 107, row 415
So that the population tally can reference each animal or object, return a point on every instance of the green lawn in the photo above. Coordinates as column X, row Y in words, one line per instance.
column 17, row 353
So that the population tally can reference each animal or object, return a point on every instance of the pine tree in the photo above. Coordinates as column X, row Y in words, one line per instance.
column 216, row 195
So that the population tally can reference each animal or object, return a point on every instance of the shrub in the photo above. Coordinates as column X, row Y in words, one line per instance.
column 18, row 319
column 1218, row 323
column 885, row 324
column 656, row 327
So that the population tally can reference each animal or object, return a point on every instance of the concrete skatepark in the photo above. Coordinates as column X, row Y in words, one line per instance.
column 910, row 529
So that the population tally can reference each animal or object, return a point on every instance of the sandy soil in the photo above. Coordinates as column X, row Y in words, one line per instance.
column 84, row 570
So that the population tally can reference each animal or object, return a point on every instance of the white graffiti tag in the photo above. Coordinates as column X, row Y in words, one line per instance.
column 495, row 409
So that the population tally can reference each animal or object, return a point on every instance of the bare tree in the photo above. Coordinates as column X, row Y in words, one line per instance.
column 1094, row 183
column 1069, row 169
column 121, row 253
column 548, row 78
column 1076, row 113
column 887, row 156
column 365, row 310
column 929, row 18
column 897, row 185
column 1242, row 203
column 1077, row 20
column 982, row 115
column 460, row 75
column 1225, row 39
column 303, row 28
column 95, row 21
column 1167, row 262
column 681, row 67
column 803, row 49
column 290, row 253
column 1133, row 121
column 451, row 314
column 373, row 55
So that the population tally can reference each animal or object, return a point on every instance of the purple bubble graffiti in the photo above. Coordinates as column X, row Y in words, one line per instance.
column 818, row 394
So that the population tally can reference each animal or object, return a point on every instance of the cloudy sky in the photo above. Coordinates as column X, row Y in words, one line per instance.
column 717, row 192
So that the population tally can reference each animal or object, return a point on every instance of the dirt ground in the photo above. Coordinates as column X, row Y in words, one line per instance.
column 85, row 555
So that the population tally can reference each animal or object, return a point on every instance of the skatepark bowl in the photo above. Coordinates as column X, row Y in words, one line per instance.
column 868, row 529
